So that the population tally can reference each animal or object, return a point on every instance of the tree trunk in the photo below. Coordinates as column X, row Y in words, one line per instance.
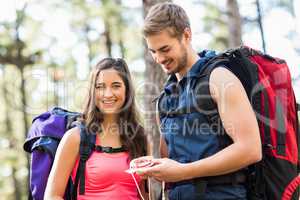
column 259, row 21
column 120, row 29
column 154, row 79
column 55, row 93
column 24, row 103
column 17, row 187
column 89, row 45
column 9, row 131
column 122, row 48
column 108, row 41
column 8, row 124
column 234, row 24
column 25, row 119
column 21, row 63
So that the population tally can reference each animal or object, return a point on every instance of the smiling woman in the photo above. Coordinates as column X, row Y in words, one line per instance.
column 110, row 91
column 110, row 113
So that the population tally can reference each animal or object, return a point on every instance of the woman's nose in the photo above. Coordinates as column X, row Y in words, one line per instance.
column 108, row 92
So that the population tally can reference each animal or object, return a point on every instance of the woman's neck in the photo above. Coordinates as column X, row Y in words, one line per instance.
column 110, row 119
column 110, row 134
column 110, row 125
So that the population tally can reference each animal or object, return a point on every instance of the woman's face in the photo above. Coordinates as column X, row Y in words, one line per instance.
column 110, row 92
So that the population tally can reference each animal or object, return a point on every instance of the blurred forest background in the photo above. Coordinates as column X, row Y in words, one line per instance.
column 48, row 47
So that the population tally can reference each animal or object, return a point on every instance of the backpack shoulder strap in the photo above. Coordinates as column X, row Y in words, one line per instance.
column 217, row 61
column 157, row 101
column 207, row 102
column 87, row 143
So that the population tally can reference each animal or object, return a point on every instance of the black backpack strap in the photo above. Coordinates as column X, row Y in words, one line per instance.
column 99, row 148
column 157, row 101
column 71, row 120
column 87, row 142
column 267, row 130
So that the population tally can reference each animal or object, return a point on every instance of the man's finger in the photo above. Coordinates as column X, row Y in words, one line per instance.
column 148, row 170
column 157, row 160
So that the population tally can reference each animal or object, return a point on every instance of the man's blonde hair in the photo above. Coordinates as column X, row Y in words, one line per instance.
column 166, row 16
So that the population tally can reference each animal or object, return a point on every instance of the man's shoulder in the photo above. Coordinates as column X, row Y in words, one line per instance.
column 223, row 82
column 222, row 75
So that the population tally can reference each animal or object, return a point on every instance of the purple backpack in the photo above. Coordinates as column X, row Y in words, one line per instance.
column 42, row 140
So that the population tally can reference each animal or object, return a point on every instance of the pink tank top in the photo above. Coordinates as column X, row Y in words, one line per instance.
column 105, row 177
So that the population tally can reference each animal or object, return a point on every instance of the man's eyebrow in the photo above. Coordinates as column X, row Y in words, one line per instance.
column 160, row 49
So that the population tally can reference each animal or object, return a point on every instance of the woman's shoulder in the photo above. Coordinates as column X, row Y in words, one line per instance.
column 71, row 139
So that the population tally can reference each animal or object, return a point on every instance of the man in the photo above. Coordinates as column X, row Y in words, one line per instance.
column 195, row 161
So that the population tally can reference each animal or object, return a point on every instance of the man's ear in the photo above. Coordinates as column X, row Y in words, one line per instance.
column 187, row 34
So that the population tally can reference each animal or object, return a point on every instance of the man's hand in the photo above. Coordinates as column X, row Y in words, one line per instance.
column 139, row 163
column 163, row 169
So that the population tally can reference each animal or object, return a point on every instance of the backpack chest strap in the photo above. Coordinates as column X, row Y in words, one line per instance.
column 103, row 149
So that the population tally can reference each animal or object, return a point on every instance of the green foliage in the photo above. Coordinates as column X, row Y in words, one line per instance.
column 56, row 68
column 60, row 42
column 214, row 22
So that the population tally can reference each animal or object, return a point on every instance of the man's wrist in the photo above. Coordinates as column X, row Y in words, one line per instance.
column 187, row 171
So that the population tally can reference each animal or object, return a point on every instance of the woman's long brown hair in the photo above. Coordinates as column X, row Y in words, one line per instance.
column 132, row 133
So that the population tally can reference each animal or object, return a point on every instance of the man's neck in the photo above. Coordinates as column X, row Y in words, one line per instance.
column 192, row 59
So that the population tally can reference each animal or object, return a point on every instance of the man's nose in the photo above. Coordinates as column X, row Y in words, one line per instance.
column 160, row 59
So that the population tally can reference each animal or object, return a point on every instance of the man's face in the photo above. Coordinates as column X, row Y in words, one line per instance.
column 169, row 52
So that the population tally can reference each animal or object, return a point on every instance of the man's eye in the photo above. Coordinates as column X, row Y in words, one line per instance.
column 165, row 50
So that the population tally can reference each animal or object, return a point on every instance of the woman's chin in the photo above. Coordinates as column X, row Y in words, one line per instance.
column 110, row 111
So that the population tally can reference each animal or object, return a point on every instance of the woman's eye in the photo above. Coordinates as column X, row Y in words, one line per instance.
column 116, row 86
column 100, row 87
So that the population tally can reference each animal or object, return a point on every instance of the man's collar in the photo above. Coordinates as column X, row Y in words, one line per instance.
column 170, row 83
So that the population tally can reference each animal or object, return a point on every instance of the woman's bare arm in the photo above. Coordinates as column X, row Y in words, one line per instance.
column 65, row 158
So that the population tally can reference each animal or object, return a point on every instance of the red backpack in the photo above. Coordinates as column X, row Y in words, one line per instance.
column 267, row 82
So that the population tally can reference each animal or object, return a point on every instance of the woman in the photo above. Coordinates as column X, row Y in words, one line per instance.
column 110, row 113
